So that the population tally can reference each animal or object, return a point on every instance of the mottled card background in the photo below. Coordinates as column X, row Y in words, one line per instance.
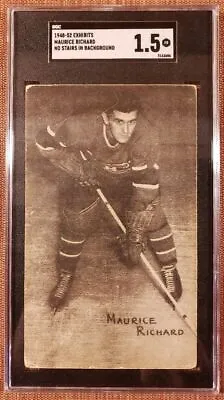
column 3, row 272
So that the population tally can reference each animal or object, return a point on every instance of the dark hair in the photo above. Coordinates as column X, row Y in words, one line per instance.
column 124, row 102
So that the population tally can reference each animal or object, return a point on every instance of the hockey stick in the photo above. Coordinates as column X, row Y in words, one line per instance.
column 147, row 266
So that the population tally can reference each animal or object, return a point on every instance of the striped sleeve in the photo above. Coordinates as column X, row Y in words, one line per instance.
column 69, row 158
column 145, row 181
column 46, row 141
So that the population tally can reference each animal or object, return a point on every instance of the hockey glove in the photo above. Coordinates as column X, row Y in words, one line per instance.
column 84, row 171
column 88, row 173
column 65, row 160
column 137, row 224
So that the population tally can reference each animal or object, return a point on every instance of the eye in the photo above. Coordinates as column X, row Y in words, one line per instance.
column 133, row 122
column 119, row 121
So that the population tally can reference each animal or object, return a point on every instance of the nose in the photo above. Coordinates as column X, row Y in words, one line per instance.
column 126, row 128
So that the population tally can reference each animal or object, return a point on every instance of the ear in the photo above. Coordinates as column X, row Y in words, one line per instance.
column 105, row 118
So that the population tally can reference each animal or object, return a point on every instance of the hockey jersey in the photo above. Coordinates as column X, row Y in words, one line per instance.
column 132, row 163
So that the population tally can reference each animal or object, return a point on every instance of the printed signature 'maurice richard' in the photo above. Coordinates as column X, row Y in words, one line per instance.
column 141, row 324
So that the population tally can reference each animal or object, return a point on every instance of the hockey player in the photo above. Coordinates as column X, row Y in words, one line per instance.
column 108, row 150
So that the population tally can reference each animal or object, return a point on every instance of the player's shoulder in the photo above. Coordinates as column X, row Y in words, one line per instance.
column 144, row 144
column 81, row 121
column 79, row 127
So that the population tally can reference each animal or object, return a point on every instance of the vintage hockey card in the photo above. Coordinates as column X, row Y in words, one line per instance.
column 111, row 271
column 115, row 314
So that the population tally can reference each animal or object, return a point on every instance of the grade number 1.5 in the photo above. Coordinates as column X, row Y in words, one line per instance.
column 155, row 43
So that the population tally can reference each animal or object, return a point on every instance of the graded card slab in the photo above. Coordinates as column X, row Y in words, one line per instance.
column 111, row 271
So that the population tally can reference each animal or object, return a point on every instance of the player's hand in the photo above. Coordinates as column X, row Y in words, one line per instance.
column 135, row 246
column 131, row 250
column 137, row 224
column 134, row 251
column 89, row 173
column 65, row 160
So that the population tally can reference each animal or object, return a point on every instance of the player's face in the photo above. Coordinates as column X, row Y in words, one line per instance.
column 122, row 125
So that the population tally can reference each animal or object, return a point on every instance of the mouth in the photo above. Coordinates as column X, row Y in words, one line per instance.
column 125, row 137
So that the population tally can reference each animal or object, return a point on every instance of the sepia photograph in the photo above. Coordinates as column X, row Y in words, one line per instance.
column 110, row 252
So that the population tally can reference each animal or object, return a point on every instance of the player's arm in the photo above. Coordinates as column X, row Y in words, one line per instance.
column 56, row 151
column 71, row 159
column 145, row 199
column 145, row 184
column 47, row 142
